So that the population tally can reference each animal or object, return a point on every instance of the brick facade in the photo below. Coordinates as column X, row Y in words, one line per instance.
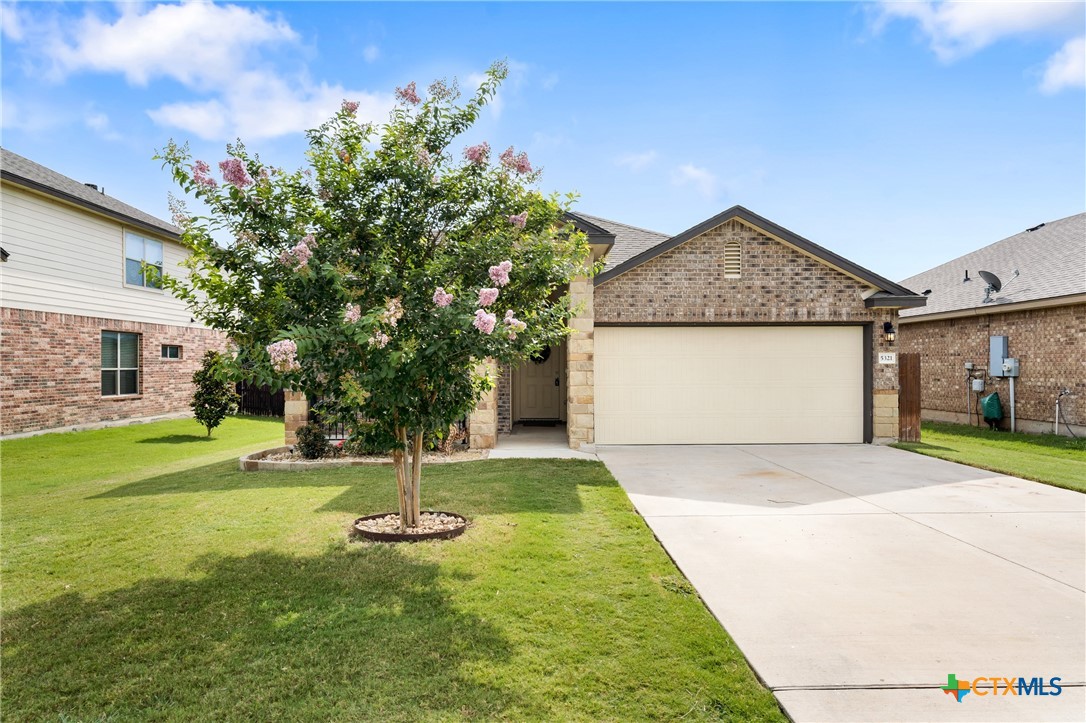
column 778, row 285
column 1050, row 344
column 50, row 370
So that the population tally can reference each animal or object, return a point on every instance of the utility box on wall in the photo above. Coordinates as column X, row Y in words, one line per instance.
column 997, row 352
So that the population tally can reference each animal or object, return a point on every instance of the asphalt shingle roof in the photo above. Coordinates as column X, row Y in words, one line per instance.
column 1051, row 262
column 629, row 240
column 23, row 171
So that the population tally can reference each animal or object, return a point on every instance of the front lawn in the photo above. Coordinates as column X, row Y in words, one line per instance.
column 145, row 577
column 1056, row 460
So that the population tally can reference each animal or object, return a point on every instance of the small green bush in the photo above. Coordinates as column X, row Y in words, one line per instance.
column 312, row 444
column 214, row 397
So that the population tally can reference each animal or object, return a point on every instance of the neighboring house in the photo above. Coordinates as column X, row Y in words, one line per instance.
column 87, row 335
column 734, row 331
column 1042, row 312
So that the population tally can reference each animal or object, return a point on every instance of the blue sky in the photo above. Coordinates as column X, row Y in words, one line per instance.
column 898, row 135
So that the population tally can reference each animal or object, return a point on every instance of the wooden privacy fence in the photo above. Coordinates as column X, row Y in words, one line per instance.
column 908, row 400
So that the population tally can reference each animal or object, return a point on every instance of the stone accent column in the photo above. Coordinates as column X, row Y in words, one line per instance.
column 295, row 415
column 483, row 422
column 886, row 417
column 885, row 377
column 580, row 381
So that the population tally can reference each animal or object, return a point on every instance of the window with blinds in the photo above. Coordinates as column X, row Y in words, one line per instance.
column 142, row 261
column 733, row 260
column 120, row 363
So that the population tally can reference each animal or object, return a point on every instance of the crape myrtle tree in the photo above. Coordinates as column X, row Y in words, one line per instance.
column 380, row 276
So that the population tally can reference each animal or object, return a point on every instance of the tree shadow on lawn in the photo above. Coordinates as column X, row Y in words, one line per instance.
column 356, row 633
column 468, row 488
column 176, row 439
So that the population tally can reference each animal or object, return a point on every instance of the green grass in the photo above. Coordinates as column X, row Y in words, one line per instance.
column 146, row 578
column 1055, row 460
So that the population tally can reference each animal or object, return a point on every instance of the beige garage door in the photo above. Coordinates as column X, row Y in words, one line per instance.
column 729, row 385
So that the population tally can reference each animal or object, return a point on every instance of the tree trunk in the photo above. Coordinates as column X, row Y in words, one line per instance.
column 416, row 476
column 409, row 488
column 402, row 479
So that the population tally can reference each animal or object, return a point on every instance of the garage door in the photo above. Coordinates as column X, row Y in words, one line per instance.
column 729, row 385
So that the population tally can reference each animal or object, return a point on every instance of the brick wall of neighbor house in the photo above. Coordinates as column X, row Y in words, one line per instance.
column 50, row 370
column 1049, row 344
column 778, row 285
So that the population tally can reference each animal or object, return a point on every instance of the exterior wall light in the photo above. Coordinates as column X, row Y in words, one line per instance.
column 888, row 332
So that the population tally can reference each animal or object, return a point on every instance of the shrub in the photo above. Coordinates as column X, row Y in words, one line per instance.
column 312, row 444
column 214, row 397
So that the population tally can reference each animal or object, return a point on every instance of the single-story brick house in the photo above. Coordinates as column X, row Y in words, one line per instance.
column 734, row 331
column 87, row 336
column 1041, row 312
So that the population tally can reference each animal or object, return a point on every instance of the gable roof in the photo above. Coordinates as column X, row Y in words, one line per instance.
column 628, row 240
column 25, row 172
column 1051, row 260
column 893, row 294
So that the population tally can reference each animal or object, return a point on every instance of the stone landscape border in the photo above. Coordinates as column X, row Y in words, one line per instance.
column 257, row 462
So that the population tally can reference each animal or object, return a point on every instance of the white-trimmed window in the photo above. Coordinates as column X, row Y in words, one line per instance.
column 171, row 351
column 140, row 250
column 120, row 363
column 733, row 260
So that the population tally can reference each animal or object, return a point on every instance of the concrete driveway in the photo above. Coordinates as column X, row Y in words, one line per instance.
column 855, row 578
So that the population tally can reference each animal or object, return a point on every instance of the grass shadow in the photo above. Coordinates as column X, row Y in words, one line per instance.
column 469, row 488
column 362, row 632
column 176, row 439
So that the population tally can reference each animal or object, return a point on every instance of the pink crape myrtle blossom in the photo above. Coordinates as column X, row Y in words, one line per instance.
column 380, row 340
column 408, row 94
column 515, row 161
column 200, row 169
column 284, row 355
column 352, row 313
column 487, row 296
column 351, row 106
column 423, row 157
column 442, row 298
column 393, row 312
column 500, row 274
column 519, row 219
column 478, row 154
column 484, row 322
column 345, row 156
column 513, row 324
column 234, row 172
column 299, row 255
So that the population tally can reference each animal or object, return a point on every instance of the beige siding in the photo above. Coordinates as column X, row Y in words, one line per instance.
column 69, row 261
column 729, row 385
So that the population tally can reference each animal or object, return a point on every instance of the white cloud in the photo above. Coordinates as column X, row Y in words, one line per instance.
column 11, row 22
column 1067, row 68
column 700, row 178
column 957, row 29
column 100, row 123
column 637, row 161
column 217, row 52
column 371, row 53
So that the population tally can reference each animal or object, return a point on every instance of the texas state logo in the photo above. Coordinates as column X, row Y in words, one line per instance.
column 999, row 686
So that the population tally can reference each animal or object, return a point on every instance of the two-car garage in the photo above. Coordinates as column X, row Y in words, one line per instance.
column 771, row 384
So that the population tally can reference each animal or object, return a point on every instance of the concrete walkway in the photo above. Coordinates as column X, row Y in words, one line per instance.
column 536, row 443
column 857, row 578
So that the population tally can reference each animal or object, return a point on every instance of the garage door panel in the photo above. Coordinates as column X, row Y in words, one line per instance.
column 729, row 385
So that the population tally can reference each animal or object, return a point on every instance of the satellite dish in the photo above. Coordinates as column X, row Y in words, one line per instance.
column 992, row 280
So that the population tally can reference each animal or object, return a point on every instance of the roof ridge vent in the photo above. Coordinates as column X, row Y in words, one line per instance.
column 1031, row 230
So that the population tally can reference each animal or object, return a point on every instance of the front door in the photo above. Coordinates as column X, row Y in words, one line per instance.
column 538, row 385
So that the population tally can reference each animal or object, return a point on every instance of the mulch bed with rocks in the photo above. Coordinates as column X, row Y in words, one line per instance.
column 385, row 527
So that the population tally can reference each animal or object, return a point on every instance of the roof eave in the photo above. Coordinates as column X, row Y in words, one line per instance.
column 597, row 235
column 83, row 203
column 895, row 301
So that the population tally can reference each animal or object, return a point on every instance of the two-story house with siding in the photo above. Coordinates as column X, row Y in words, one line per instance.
column 86, row 335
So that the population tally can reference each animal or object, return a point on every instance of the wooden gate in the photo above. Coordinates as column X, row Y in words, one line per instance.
column 908, row 401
